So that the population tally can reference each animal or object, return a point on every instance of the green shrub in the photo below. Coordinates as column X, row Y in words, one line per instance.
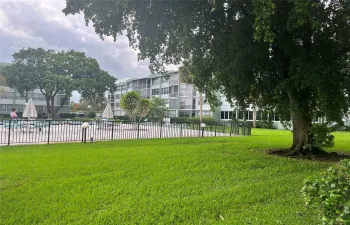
column 330, row 194
column 91, row 115
column 264, row 124
column 67, row 115
column 321, row 136
column 205, row 119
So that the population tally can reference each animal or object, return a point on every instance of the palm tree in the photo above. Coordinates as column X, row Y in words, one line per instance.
column 186, row 76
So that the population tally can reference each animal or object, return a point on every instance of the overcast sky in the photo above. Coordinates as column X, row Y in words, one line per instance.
column 41, row 23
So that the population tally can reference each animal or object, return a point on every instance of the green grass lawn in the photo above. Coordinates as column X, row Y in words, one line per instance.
column 222, row 180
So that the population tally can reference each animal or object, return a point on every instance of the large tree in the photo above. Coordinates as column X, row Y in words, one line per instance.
column 291, row 55
column 57, row 73
column 191, row 74
column 19, row 74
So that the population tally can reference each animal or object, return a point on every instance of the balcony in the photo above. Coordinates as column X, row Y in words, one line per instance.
column 173, row 95
column 185, row 106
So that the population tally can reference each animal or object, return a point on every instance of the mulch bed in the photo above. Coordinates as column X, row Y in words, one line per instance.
column 322, row 156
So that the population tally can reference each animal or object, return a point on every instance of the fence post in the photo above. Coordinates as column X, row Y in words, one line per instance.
column 161, row 126
column 231, row 129
column 180, row 129
column 216, row 124
column 138, row 129
column 48, row 134
column 244, row 124
column 199, row 129
column 113, row 124
column 202, row 132
column 9, row 136
column 85, row 129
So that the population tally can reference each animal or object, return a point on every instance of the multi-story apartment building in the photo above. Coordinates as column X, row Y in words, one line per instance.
column 10, row 98
column 183, row 99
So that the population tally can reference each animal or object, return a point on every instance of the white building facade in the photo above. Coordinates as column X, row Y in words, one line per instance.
column 182, row 99
column 10, row 98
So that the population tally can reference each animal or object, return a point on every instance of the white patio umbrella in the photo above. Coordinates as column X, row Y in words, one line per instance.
column 107, row 113
column 30, row 110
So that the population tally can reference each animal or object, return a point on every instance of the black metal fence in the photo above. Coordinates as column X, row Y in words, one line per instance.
column 55, row 131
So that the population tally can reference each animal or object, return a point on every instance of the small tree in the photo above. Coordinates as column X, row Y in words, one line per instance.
column 130, row 104
column 143, row 108
column 158, row 108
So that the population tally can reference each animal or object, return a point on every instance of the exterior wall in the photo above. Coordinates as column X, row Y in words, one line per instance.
column 10, row 98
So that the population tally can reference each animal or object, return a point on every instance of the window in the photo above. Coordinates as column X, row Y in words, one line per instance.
column 226, row 115
column 111, row 97
column 172, row 103
column 185, row 113
column 165, row 90
column 231, row 115
column 117, row 104
column 258, row 115
column 250, row 115
column 3, row 108
column 206, row 113
column 194, row 92
column 117, row 96
column 277, row 118
column 155, row 91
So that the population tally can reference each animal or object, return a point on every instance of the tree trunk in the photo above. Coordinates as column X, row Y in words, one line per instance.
column 26, row 96
column 53, row 114
column 48, row 112
column 302, row 124
column 200, row 107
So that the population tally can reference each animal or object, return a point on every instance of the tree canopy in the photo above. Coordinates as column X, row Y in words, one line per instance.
column 158, row 108
column 56, row 73
column 134, row 106
column 130, row 104
column 289, row 55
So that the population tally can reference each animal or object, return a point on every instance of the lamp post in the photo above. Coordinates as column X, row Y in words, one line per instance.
column 84, row 126
column 203, row 126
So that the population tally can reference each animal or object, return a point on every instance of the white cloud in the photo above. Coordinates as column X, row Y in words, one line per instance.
column 41, row 23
